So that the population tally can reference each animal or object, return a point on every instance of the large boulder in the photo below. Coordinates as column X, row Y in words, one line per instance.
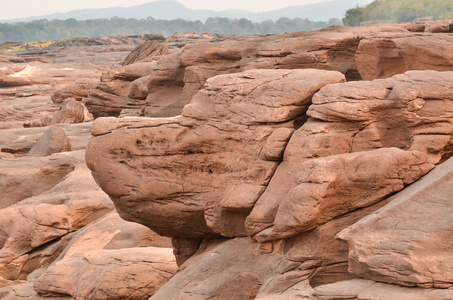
column 324, row 188
column 412, row 112
column 184, row 173
column 239, row 268
column 71, row 111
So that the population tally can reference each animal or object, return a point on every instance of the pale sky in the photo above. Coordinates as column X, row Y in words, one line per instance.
column 12, row 9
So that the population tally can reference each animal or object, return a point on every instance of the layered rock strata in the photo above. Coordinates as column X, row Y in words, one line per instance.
column 359, row 53
column 316, row 172
column 183, row 172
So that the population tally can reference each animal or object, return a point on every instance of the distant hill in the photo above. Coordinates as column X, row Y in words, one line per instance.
column 170, row 10
column 392, row 11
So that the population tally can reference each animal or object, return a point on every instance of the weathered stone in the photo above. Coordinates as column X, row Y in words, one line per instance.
column 111, row 232
column 26, row 227
column 145, row 51
column 182, row 169
column 5, row 155
column 54, row 140
column 71, row 111
column 80, row 193
column 19, row 141
column 27, row 111
column 325, row 188
column 383, row 57
column 406, row 242
column 354, row 117
column 378, row 51
column 30, row 176
column 292, row 266
column 360, row 289
column 111, row 95
column 77, row 90
column 134, row 273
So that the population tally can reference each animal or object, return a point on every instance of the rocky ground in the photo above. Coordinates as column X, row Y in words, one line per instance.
column 311, row 165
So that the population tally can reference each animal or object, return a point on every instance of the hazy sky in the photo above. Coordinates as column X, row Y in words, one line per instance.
column 12, row 9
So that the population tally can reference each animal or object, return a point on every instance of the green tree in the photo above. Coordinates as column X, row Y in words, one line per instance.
column 354, row 16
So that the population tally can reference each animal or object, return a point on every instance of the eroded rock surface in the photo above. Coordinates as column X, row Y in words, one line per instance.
column 357, row 144
column 134, row 273
column 25, row 177
column 182, row 170
column 378, row 51
column 48, row 204
column 410, row 233
column 275, row 182
column 54, row 140
column 43, row 223
column 77, row 90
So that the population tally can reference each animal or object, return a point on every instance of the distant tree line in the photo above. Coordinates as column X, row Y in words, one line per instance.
column 64, row 29
column 393, row 11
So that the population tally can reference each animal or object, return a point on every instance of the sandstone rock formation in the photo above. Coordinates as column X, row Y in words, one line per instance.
column 273, row 176
column 145, row 51
column 77, row 90
column 134, row 273
column 315, row 174
column 54, row 140
column 401, row 236
column 43, row 223
column 48, row 204
column 359, row 53
column 259, row 122
column 28, row 176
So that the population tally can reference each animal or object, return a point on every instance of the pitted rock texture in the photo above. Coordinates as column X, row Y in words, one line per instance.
column 181, row 170
column 357, row 144
column 410, row 233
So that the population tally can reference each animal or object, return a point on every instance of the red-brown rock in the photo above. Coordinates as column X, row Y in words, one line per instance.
column 182, row 169
column 54, row 140
column 77, row 90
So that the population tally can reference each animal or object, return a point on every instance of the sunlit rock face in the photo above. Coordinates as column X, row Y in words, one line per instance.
column 200, row 174
column 160, row 86
column 286, row 157
column 277, row 170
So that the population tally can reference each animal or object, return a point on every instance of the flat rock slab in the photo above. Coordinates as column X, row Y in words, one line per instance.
column 360, row 289
column 407, row 241
column 25, row 177
column 134, row 273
